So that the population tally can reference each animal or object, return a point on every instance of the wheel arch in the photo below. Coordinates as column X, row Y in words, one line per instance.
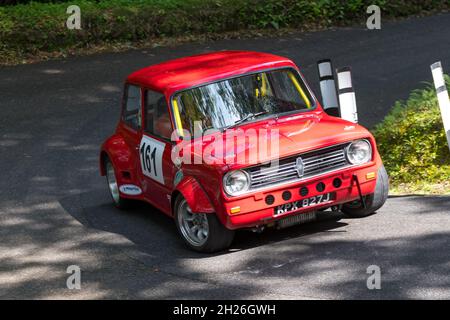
column 194, row 194
column 118, row 153
column 103, row 156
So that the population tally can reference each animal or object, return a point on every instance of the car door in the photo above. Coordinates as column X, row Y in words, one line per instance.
column 155, row 147
column 130, row 127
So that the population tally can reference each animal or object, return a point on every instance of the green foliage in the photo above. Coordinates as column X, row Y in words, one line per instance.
column 32, row 27
column 412, row 141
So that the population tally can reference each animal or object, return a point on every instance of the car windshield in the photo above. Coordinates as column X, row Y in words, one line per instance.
column 230, row 102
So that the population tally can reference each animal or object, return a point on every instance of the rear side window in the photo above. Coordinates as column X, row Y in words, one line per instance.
column 157, row 118
column 132, row 110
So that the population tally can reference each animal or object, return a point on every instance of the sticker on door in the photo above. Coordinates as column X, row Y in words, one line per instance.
column 151, row 152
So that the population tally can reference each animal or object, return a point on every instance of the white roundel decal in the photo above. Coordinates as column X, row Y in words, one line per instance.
column 130, row 189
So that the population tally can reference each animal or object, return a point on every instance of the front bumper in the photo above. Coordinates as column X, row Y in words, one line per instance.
column 253, row 210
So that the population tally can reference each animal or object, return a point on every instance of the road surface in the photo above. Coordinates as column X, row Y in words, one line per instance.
column 55, row 210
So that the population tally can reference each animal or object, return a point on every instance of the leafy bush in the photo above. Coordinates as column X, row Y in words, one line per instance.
column 412, row 141
column 28, row 28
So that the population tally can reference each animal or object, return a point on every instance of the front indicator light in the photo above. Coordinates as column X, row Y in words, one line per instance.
column 370, row 176
column 235, row 210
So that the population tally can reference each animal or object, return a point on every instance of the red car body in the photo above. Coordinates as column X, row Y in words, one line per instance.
column 201, row 184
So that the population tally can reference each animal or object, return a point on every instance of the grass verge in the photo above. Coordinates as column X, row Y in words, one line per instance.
column 37, row 29
column 413, row 145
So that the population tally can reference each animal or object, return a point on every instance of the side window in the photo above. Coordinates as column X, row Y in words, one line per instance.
column 157, row 118
column 132, row 110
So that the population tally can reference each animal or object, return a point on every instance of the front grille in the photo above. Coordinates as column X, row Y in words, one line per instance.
column 314, row 163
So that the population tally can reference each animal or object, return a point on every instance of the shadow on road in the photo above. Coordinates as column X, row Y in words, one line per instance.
column 156, row 234
column 314, row 260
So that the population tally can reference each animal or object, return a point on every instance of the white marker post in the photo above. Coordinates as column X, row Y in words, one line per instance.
column 328, row 87
column 347, row 100
column 442, row 95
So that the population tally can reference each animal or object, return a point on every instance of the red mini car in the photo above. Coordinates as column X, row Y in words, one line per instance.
column 193, row 140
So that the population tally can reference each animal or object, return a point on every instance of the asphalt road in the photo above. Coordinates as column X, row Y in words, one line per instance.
column 55, row 210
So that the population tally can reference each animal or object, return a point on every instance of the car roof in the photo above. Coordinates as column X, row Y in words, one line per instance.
column 183, row 73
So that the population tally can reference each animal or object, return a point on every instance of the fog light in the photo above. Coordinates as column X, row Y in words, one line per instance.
column 270, row 199
column 337, row 183
column 320, row 186
column 286, row 195
column 304, row 191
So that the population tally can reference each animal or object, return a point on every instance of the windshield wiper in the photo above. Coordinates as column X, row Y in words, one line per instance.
column 244, row 119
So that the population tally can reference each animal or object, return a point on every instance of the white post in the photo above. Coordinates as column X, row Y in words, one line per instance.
column 347, row 100
column 328, row 87
column 442, row 95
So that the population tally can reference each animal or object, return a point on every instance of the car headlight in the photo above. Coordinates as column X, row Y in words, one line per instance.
column 359, row 152
column 236, row 182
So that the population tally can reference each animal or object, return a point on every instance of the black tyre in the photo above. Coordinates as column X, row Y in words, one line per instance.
column 113, row 187
column 373, row 201
column 201, row 232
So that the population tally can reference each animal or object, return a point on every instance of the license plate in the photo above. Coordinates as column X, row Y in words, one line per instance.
column 299, row 204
